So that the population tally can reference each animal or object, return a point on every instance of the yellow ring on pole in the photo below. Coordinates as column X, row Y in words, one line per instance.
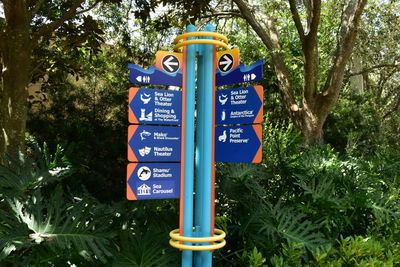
column 192, row 34
column 218, row 236
column 176, row 244
column 201, row 41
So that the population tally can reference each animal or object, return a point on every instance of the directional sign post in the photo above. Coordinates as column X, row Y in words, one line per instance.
column 175, row 137
column 170, row 63
column 167, row 71
column 238, row 143
column 240, row 74
column 225, row 62
column 228, row 60
column 154, row 143
column 153, row 180
column 241, row 105
column 153, row 106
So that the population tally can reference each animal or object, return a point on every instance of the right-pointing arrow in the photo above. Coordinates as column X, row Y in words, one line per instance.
column 227, row 62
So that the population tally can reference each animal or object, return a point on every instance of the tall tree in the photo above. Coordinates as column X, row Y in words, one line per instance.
column 30, row 27
column 27, row 26
column 317, row 100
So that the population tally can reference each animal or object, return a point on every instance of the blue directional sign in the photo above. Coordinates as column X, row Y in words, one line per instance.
column 154, row 106
column 238, row 143
column 240, row 105
column 154, row 143
column 240, row 74
column 154, row 75
column 153, row 180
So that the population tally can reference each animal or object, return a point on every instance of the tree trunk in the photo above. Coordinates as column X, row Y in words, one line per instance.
column 15, row 78
column 313, row 118
column 17, row 42
column 357, row 81
column 317, row 102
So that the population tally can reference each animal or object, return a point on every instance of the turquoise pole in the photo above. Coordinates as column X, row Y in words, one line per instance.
column 206, row 256
column 187, row 255
column 199, row 149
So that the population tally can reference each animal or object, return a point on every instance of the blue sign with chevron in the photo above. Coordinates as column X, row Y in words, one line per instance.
column 239, row 105
column 154, row 75
column 238, row 143
column 154, row 180
column 154, row 143
column 155, row 106
column 240, row 74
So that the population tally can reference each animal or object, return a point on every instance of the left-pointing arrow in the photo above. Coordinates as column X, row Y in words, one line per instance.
column 170, row 63
column 155, row 75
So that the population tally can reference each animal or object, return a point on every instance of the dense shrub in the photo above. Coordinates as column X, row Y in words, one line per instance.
column 307, row 205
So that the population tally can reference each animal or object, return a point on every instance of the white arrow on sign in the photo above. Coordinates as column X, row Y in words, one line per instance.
column 168, row 63
column 227, row 62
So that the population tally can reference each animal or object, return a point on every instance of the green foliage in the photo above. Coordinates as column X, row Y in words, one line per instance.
column 296, row 206
column 41, row 223
column 291, row 255
column 33, row 217
column 279, row 222
column 87, row 116
column 144, row 250
column 60, row 227
column 252, row 258
column 25, row 173
column 360, row 251
column 330, row 205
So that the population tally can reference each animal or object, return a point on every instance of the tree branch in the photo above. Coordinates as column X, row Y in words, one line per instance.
column 271, row 40
column 310, row 50
column 1, row 42
column 2, row 36
column 384, row 78
column 366, row 70
column 227, row 14
column 394, row 109
column 314, row 20
column 347, row 38
column 51, row 27
column 128, row 10
column 308, row 5
column 296, row 19
column 1, row 55
column 89, row 8
column 36, row 8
